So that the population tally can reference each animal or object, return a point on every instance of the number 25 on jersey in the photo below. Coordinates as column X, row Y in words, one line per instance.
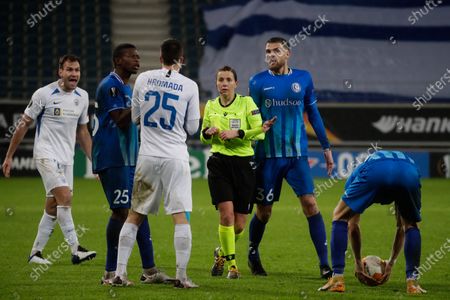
column 161, row 104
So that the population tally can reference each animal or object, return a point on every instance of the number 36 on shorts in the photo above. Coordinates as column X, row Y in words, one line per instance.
column 260, row 195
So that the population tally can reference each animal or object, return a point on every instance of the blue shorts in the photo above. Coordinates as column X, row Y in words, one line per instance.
column 384, row 182
column 270, row 173
column 118, row 184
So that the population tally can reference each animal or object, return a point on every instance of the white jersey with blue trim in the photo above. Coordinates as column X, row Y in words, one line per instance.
column 163, row 101
column 57, row 114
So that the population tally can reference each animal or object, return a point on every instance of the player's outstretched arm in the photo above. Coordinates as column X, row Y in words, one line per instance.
column 354, row 234
column 397, row 246
column 16, row 139
column 84, row 138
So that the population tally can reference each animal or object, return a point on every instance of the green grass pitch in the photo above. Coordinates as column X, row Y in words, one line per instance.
column 287, row 251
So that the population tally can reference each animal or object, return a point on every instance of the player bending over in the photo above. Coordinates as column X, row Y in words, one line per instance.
column 385, row 177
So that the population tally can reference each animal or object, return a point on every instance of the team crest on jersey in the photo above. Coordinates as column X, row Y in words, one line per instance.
column 113, row 92
column 57, row 111
column 76, row 101
column 225, row 113
column 268, row 103
column 296, row 88
column 235, row 124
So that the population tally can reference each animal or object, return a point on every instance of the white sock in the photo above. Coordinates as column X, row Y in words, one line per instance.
column 182, row 242
column 45, row 230
column 64, row 217
column 126, row 242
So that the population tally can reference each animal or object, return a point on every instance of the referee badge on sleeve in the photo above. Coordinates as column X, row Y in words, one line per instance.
column 235, row 124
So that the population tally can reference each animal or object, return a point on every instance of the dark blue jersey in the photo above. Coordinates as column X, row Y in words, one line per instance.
column 112, row 146
column 287, row 97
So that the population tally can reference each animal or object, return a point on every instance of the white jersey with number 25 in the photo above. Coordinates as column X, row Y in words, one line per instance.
column 163, row 101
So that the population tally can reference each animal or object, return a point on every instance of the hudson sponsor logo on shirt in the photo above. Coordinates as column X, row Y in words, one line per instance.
column 389, row 123
column 285, row 102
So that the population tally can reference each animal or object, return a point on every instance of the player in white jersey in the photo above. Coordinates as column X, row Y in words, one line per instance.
column 60, row 111
column 166, row 105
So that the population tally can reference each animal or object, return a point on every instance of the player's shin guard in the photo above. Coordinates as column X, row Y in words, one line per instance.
column 339, row 240
column 412, row 249
column 145, row 244
column 319, row 237
column 182, row 242
column 227, row 243
column 64, row 217
column 45, row 229
column 112, row 243
column 126, row 243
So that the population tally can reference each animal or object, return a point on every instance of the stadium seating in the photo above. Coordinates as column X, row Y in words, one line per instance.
column 35, row 37
column 187, row 25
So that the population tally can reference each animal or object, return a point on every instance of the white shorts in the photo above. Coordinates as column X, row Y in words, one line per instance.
column 155, row 177
column 54, row 174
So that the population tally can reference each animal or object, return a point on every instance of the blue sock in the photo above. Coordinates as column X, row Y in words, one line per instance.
column 256, row 232
column 319, row 237
column 145, row 244
column 339, row 240
column 413, row 244
column 112, row 243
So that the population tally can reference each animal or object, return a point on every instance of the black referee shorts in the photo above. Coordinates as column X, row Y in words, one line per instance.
column 231, row 178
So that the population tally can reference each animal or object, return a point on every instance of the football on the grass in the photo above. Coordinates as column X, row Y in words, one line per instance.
column 374, row 266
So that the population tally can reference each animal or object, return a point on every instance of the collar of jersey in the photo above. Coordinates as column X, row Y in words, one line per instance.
column 117, row 77
column 271, row 73
column 235, row 96
column 59, row 89
column 165, row 70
